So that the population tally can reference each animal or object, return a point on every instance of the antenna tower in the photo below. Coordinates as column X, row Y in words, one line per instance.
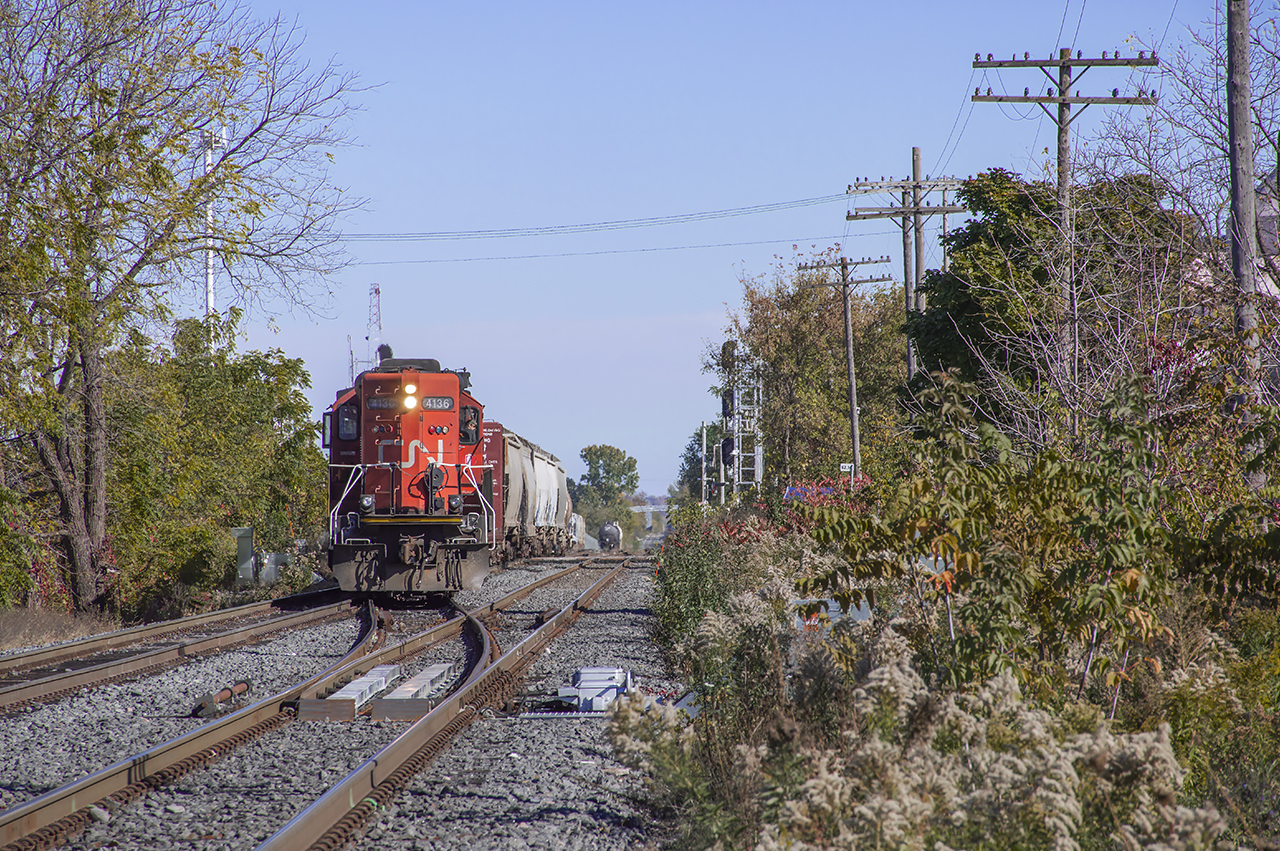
column 373, row 336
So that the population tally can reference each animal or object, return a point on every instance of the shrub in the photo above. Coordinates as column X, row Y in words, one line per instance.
column 17, row 551
column 920, row 768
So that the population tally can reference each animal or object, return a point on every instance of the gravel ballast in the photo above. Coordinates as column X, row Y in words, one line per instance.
column 505, row 782
column 48, row 745
column 521, row 782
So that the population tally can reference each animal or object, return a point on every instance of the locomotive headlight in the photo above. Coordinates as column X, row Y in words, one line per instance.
column 410, row 402
column 366, row 503
column 411, row 388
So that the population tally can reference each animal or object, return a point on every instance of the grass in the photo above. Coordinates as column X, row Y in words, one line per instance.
column 23, row 627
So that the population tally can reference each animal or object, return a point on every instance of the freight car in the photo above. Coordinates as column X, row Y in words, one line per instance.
column 533, row 500
column 610, row 536
column 424, row 494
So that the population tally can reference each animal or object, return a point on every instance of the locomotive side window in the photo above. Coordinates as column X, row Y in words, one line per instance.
column 469, row 426
column 348, row 422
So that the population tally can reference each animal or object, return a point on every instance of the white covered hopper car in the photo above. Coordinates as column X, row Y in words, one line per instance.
column 533, row 501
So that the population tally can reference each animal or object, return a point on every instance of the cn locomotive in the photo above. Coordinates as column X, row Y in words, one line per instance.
column 425, row 493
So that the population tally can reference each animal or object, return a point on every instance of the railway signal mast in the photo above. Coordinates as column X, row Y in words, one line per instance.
column 749, row 460
column 742, row 450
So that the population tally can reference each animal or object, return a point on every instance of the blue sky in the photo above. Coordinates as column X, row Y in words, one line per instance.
column 514, row 115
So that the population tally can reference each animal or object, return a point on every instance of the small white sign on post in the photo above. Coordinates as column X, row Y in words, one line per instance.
column 848, row 468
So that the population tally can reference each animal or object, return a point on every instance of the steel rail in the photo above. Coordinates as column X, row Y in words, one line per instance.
column 344, row 807
column 37, row 689
column 68, row 804
column 441, row 632
column 124, row 637
column 525, row 590
column 200, row 745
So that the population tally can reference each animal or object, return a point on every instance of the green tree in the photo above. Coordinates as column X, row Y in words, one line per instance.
column 17, row 550
column 105, row 216
column 611, row 472
column 205, row 439
column 600, row 496
column 993, row 261
column 1047, row 322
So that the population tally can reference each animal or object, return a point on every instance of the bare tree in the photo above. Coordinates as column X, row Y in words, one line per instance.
column 1147, row 252
column 1184, row 143
column 104, row 108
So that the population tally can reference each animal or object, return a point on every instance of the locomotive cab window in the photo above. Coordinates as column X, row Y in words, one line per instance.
column 469, row 426
column 348, row 417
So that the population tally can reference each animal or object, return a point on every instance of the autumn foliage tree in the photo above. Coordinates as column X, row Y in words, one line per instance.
column 790, row 336
column 107, row 208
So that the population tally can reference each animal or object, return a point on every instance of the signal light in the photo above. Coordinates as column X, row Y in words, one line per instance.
column 726, row 404
column 727, row 451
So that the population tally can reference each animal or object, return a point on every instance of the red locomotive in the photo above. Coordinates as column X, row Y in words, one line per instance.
column 423, row 493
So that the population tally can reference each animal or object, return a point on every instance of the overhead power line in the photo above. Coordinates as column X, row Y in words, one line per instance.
column 794, row 241
column 591, row 227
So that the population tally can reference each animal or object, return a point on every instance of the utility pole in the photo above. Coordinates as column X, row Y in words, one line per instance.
column 1063, row 97
column 1244, row 212
column 844, row 283
column 908, row 274
column 1243, row 203
column 212, row 142
column 910, row 213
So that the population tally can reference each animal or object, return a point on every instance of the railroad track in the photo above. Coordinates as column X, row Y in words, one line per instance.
column 54, row 672
column 47, row 820
column 333, row 820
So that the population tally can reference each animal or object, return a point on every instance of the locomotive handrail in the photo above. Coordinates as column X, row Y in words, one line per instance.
column 492, row 537
column 356, row 472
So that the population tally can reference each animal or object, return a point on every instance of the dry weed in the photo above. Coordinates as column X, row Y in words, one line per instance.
column 26, row 627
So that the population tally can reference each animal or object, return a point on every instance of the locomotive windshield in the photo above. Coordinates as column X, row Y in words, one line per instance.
column 348, row 422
